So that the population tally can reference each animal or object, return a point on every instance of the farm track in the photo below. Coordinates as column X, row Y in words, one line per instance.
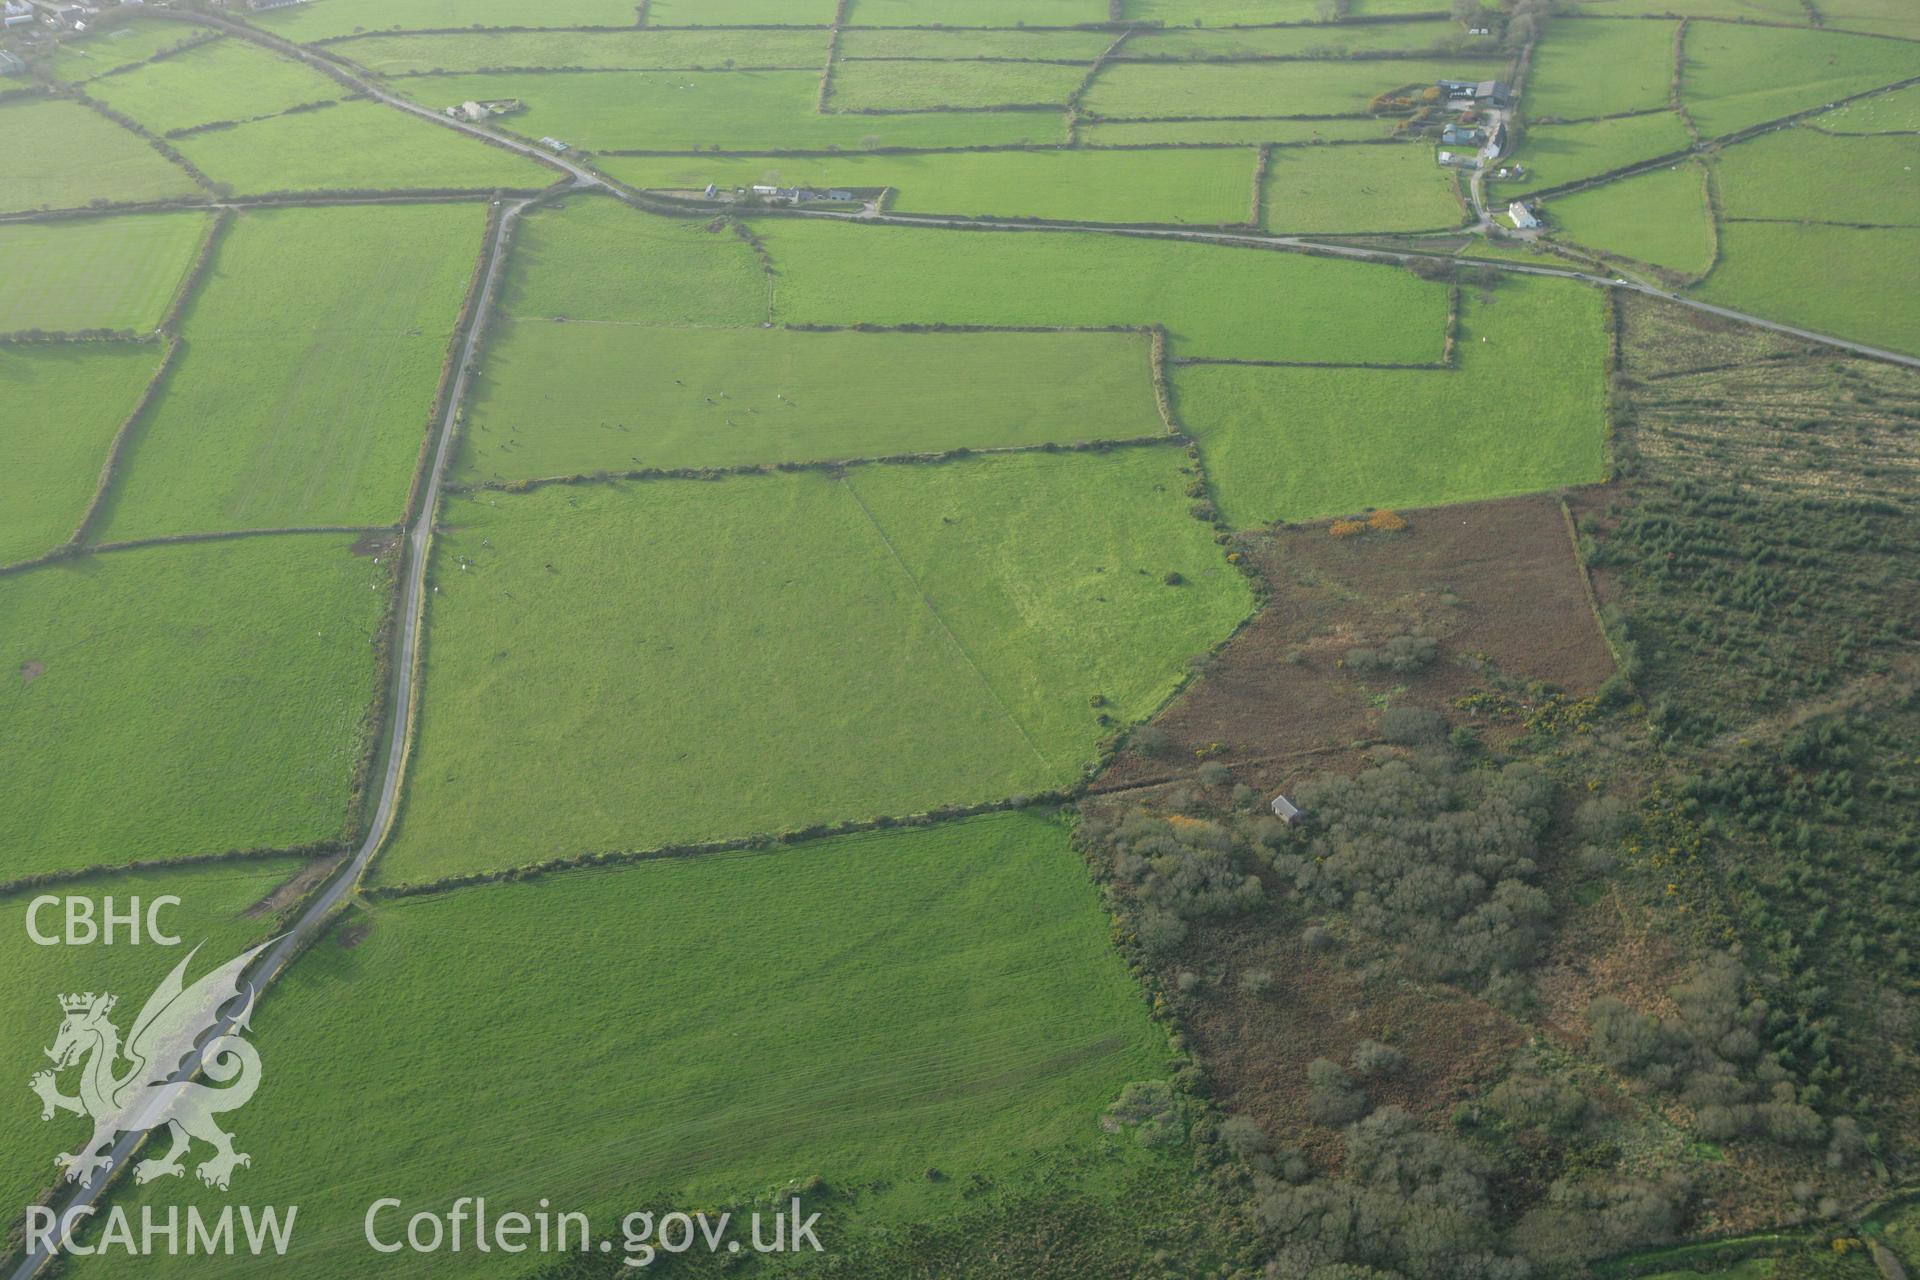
column 319, row 911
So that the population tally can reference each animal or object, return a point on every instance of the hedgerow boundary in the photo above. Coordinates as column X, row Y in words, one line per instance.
column 278, row 200
column 432, row 72
column 1449, row 341
column 1257, row 204
column 152, row 139
column 829, row 466
column 1156, row 336
column 67, row 551
column 1711, row 145
column 1437, row 50
column 1162, row 386
column 122, row 440
column 179, row 47
column 1104, row 753
column 738, row 844
column 992, row 148
column 768, row 270
column 1710, row 204
column 820, row 106
column 193, row 41
column 1079, row 91
column 169, row 322
column 190, row 285
column 298, row 109
column 170, row 335
column 1676, row 87
column 41, row 879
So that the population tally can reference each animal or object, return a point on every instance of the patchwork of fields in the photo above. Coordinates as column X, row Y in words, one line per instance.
column 266, row 425
column 56, row 154
column 946, row 999
column 798, row 549
column 783, row 644
column 1406, row 438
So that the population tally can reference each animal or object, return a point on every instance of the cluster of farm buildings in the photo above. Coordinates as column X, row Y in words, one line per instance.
column 1487, row 141
column 78, row 15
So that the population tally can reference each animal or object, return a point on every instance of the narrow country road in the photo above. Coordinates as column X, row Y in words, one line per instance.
column 406, row 654
column 1368, row 255
column 420, row 534
column 584, row 177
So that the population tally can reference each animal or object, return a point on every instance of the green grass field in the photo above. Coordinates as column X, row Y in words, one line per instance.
column 1202, row 186
column 721, row 13
column 64, row 404
column 356, row 146
column 56, row 154
column 184, row 700
column 1230, row 132
column 1152, row 89
column 577, row 398
column 1525, row 410
column 1370, row 188
column 1221, row 13
column 1877, row 17
column 106, row 273
column 1387, row 8
column 1219, row 302
column 963, row 43
column 626, row 666
column 1743, row 75
column 1852, row 284
column 225, row 80
column 904, row 85
column 1896, row 112
column 1778, row 12
column 734, row 110
column 946, row 998
column 211, row 914
column 597, row 259
column 327, row 18
column 471, row 51
column 1566, row 81
column 1797, row 174
column 1555, row 154
column 1335, row 41
column 122, row 45
column 1658, row 217
column 976, row 13
column 312, row 354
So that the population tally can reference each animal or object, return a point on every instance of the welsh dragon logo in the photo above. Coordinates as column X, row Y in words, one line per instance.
column 129, row 1087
